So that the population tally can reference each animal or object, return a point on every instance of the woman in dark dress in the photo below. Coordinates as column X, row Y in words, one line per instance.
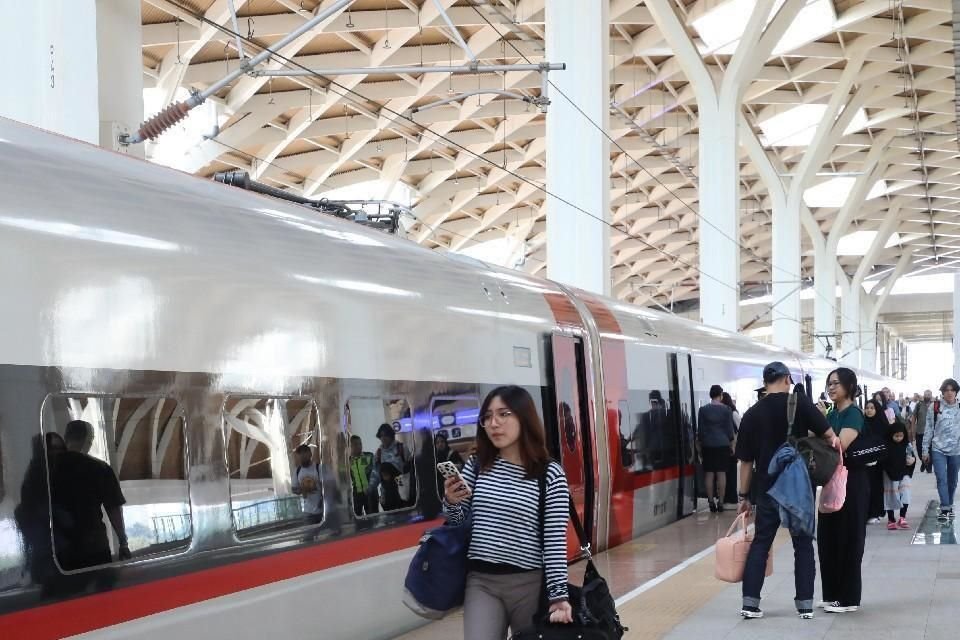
column 731, row 494
column 841, row 535
column 875, row 423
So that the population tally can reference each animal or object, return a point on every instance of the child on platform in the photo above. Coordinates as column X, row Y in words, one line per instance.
column 896, row 476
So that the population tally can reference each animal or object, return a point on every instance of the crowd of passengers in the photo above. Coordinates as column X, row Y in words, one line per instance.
column 912, row 432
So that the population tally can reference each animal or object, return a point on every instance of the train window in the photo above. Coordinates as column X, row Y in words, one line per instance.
column 649, row 439
column 117, row 474
column 277, row 478
column 382, row 448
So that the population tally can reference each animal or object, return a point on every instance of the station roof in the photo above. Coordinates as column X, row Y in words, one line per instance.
column 475, row 169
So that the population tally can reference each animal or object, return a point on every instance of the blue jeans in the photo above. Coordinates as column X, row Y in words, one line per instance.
column 946, row 469
column 767, row 522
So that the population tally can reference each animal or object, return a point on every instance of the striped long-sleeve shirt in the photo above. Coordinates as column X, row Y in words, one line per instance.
column 506, row 520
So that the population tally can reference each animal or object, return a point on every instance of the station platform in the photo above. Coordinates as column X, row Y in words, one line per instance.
column 665, row 588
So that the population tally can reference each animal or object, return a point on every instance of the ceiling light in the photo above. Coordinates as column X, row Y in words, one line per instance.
column 859, row 242
column 834, row 192
column 796, row 126
column 814, row 20
column 925, row 284
column 721, row 26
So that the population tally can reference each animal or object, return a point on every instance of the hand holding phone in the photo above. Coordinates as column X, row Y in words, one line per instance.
column 455, row 488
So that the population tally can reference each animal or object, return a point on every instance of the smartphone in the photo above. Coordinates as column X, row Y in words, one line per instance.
column 449, row 470
column 891, row 417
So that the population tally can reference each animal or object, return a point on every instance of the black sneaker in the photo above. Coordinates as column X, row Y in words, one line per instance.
column 805, row 614
column 719, row 506
column 944, row 516
column 750, row 613
column 713, row 507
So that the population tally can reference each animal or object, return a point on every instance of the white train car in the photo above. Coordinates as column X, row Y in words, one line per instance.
column 205, row 332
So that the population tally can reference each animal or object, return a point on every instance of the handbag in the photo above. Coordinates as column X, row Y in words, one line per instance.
column 820, row 456
column 730, row 556
column 834, row 493
column 865, row 450
column 594, row 610
column 436, row 578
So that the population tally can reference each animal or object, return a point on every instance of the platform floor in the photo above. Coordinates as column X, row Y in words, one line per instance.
column 665, row 587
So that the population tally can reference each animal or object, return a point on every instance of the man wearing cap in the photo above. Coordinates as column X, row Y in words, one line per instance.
column 763, row 429
column 941, row 446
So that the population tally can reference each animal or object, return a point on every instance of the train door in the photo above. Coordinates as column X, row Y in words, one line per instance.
column 684, row 418
column 569, row 427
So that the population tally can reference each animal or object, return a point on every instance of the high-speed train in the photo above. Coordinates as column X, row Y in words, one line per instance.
column 204, row 332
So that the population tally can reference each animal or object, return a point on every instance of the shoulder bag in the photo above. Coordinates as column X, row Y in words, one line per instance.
column 594, row 610
column 437, row 576
column 819, row 455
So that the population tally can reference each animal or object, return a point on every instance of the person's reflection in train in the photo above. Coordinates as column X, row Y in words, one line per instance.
column 424, row 464
column 362, row 477
column 568, row 426
column 32, row 515
column 80, row 485
column 330, row 487
column 654, row 425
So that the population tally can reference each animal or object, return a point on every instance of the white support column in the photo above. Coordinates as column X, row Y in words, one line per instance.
column 786, row 274
column 850, row 322
column 120, row 72
column 77, row 67
column 720, row 215
column 956, row 326
column 578, row 154
column 825, row 301
column 882, row 349
column 51, row 74
column 868, row 333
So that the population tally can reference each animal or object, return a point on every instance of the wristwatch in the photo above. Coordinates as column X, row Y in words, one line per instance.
column 743, row 496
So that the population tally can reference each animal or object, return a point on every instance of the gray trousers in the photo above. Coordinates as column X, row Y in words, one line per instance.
column 495, row 601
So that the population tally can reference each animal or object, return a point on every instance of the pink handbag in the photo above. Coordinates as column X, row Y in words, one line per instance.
column 731, row 552
column 833, row 494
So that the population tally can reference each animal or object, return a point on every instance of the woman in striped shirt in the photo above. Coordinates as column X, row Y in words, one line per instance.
column 507, row 563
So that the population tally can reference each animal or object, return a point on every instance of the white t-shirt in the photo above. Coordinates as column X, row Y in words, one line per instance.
column 309, row 477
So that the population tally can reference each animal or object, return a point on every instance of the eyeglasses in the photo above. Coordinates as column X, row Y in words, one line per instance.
column 499, row 416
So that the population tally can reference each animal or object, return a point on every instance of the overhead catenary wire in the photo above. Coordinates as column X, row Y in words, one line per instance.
column 346, row 93
column 440, row 137
column 613, row 141
column 409, row 212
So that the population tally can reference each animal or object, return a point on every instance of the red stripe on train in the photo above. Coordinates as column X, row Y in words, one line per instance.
column 100, row 610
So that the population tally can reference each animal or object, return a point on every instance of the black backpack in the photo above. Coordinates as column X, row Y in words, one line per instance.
column 820, row 457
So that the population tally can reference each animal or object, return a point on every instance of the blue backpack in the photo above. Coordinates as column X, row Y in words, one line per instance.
column 437, row 576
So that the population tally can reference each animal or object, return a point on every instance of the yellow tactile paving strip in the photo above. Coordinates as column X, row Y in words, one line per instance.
column 652, row 614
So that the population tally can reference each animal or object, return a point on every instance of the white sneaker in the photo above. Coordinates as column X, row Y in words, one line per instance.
column 823, row 604
column 873, row 521
column 836, row 608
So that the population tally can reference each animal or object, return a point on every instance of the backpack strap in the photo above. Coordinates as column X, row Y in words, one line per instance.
column 574, row 519
column 791, row 411
column 542, row 485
